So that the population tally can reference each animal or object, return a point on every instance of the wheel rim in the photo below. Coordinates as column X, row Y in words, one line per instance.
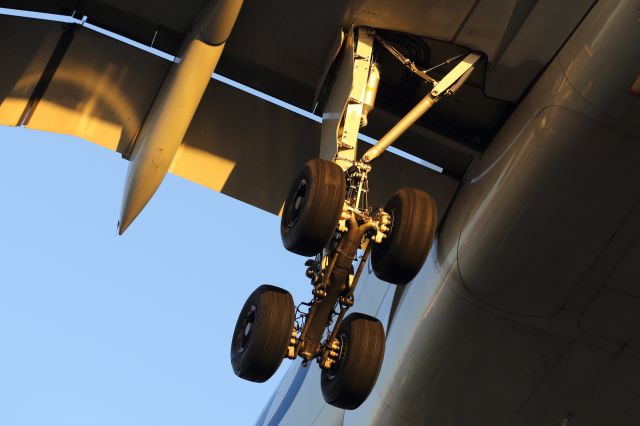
column 245, row 330
column 386, row 241
column 332, row 372
column 296, row 203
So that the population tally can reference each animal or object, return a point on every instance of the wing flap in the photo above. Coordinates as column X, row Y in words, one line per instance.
column 101, row 91
column 26, row 49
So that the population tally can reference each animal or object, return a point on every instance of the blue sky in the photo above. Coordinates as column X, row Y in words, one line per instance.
column 97, row 329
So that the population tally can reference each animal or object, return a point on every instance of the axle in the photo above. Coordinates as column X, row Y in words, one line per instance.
column 336, row 284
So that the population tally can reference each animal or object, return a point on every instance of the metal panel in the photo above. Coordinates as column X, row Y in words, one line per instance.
column 518, row 37
column 608, row 45
column 612, row 316
column 486, row 26
column 252, row 150
column 542, row 190
column 616, row 265
column 632, row 416
column 280, row 47
column 625, row 277
column 440, row 19
column 63, row 7
column 101, row 91
column 454, row 364
column 540, row 36
column 558, row 171
column 26, row 48
column 430, row 323
column 246, row 147
column 161, row 23
column 176, row 15
column 588, row 386
column 499, row 364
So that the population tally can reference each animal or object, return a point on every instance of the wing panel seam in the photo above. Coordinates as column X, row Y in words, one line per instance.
column 47, row 74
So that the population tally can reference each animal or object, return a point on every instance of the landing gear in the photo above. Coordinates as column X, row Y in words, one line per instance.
column 327, row 215
column 327, row 211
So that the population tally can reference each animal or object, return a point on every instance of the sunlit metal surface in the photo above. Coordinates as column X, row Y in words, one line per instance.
column 525, row 312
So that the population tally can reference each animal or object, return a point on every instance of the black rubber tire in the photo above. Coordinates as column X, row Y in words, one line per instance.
column 350, row 381
column 312, row 208
column 257, row 355
column 400, row 256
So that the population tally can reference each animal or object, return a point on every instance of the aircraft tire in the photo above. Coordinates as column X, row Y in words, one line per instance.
column 350, row 381
column 262, row 333
column 312, row 208
column 399, row 257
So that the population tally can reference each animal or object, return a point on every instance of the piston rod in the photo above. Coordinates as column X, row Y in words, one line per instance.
column 401, row 126
column 451, row 82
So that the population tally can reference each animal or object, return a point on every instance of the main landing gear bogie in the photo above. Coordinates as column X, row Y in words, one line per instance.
column 326, row 214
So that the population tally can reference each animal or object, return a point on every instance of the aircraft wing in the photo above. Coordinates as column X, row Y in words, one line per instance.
column 68, row 78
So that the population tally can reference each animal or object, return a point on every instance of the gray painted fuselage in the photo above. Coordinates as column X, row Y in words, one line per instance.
column 527, row 311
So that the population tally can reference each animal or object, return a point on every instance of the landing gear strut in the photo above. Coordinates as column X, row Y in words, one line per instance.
column 327, row 215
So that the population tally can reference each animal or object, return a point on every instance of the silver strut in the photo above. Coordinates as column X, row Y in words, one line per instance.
column 447, row 86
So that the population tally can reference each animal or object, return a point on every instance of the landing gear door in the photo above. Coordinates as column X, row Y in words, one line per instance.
column 343, row 112
column 336, row 102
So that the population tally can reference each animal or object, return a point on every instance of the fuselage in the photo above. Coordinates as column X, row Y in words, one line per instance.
column 526, row 311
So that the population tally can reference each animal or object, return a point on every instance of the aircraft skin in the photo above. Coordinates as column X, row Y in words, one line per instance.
column 527, row 310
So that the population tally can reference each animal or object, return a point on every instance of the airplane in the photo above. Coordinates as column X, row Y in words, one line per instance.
column 526, row 310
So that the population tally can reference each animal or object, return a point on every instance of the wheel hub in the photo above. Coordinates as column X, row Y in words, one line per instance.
column 334, row 355
column 297, row 203
column 244, row 335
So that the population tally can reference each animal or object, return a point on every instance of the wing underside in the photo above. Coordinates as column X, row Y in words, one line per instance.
column 69, row 79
